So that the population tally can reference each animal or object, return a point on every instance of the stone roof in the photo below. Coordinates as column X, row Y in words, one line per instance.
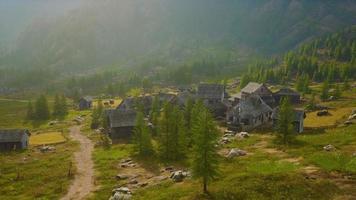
column 253, row 106
column 287, row 91
column 13, row 135
column 210, row 91
column 87, row 98
column 121, row 118
column 235, row 96
column 131, row 103
column 251, row 87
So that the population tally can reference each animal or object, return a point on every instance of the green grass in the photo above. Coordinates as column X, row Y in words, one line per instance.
column 106, row 163
column 41, row 175
column 12, row 113
column 310, row 146
column 259, row 176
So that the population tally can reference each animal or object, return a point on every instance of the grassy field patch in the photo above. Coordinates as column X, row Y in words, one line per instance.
column 314, row 121
column 47, row 138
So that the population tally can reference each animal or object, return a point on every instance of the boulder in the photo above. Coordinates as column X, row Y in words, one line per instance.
column 352, row 117
column 236, row 153
column 322, row 113
column 133, row 182
column 122, row 193
column 179, row 175
column 353, row 112
column 121, row 177
column 228, row 132
column 348, row 122
column 45, row 148
column 225, row 140
column 51, row 123
column 243, row 135
column 143, row 184
column 329, row 147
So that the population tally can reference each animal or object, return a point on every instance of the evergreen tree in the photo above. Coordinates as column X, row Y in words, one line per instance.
column 30, row 113
column 142, row 137
column 154, row 115
column 188, row 108
column 204, row 151
column 164, row 137
column 97, row 115
column 337, row 92
column 57, row 107
column 325, row 91
column 172, row 136
column 285, row 119
column 64, row 106
column 244, row 81
column 41, row 108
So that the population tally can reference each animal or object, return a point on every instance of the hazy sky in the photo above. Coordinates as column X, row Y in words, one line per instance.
column 16, row 15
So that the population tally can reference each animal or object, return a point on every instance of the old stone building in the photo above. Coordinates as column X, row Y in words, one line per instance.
column 14, row 139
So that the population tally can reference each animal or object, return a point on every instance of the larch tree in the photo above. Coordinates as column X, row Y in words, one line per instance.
column 30, row 112
column 285, row 121
column 204, row 151
column 142, row 137
column 41, row 108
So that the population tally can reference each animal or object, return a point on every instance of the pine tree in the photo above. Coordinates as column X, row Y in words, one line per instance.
column 164, row 136
column 57, row 108
column 204, row 151
column 325, row 91
column 41, row 108
column 337, row 92
column 142, row 137
column 30, row 113
column 97, row 115
column 172, row 136
column 188, row 109
column 154, row 115
column 63, row 101
column 285, row 120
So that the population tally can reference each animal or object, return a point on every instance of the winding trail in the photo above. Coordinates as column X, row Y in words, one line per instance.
column 83, row 182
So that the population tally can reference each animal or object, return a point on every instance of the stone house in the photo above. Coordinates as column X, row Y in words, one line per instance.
column 213, row 96
column 85, row 103
column 121, row 123
column 14, row 139
column 293, row 96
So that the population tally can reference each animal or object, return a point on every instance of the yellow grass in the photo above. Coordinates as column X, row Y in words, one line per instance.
column 47, row 138
column 117, row 101
column 313, row 121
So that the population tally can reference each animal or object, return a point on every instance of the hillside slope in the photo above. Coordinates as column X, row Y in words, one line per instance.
column 132, row 31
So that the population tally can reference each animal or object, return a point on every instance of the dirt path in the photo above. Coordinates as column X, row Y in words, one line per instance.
column 83, row 182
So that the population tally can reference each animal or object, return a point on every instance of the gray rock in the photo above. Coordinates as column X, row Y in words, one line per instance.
column 352, row 117
column 329, row 147
column 236, row 153
column 322, row 113
column 122, row 193
column 178, row 176
column 133, row 182
column 243, row 135
column 348, row 122
column 45, row 149
column 122, row 177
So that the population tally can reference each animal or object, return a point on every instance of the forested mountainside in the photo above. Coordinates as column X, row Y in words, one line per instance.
column 133, row 31
column 331, row 58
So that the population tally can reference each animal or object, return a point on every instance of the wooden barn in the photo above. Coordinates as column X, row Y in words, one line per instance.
column 14, row 139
